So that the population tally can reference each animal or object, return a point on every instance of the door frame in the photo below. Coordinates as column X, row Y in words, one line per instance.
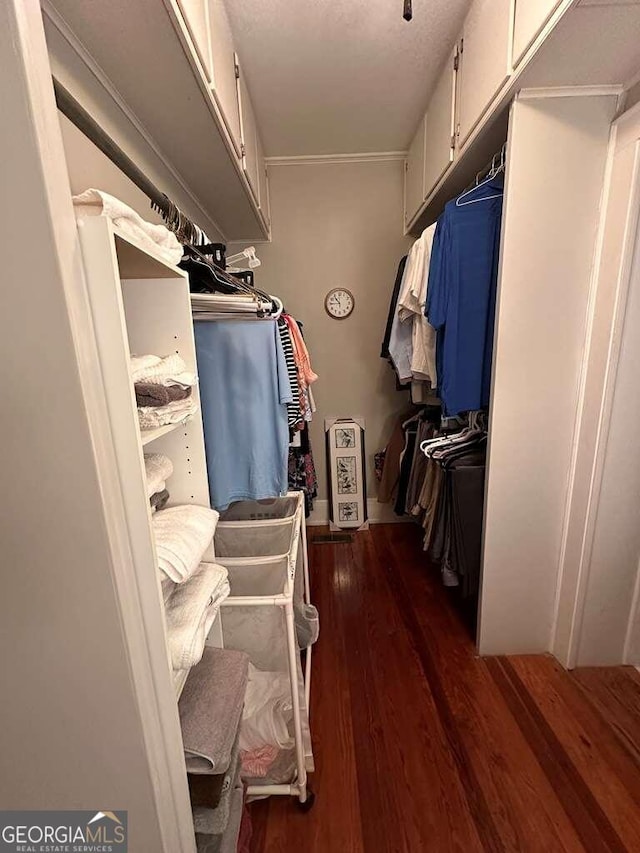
column 613, row 260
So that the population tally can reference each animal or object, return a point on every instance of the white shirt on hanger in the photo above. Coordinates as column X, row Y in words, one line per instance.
column 411, row 304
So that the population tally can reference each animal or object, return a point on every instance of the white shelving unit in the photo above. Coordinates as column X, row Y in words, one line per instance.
column 149, row 435
column 141, row 305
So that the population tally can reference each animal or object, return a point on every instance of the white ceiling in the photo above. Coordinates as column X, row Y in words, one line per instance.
column 341, row 76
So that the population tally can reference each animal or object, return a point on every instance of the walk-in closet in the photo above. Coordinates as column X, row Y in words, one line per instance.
column 321, row 517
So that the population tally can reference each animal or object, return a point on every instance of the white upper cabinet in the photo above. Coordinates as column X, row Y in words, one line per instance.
column 196, row 17
column 530, row 18
column 485, row 60
column 439, row 144
column 249, row 136
column 414, row 193
column 263, row 184
column 223, row 76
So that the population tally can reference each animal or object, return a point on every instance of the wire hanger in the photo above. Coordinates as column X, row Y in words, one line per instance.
column 494, row 170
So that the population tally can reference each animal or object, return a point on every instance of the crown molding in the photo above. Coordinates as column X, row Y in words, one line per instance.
column 333, row 159
column 569, row 92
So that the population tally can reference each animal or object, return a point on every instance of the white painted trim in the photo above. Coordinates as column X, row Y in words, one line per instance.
column 569, row 662
column 512, row 32
column 604, row 421
column 333, row 159
column 110, row 89
column 569, row 92
column 634, row 614
column 626, row 126
column 378, row 514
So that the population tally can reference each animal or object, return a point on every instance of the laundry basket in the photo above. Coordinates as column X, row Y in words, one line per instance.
column 257, row 528
column 259, row 543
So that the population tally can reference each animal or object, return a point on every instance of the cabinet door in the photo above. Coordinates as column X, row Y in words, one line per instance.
column 263, row 183
column 439, row 144
column 484, row 66
column 196, row 17
column 248, row 135
column 223, row 78
column 414, row 175
column 530, row 18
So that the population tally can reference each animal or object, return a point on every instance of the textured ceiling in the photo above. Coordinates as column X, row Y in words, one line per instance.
column 341, row 76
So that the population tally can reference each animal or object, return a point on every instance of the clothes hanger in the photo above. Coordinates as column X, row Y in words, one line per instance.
column 279, row 308
column 460, row 203
column 494, row 170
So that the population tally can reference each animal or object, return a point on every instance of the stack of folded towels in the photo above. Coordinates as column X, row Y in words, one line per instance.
column 158, row 468
column 163, row 390
column 192, row 590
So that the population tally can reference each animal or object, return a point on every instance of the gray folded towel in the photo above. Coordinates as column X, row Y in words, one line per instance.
column 214, row 821
column 149, row 394
column 211, row 707
column 228, row 841
column 159, row 500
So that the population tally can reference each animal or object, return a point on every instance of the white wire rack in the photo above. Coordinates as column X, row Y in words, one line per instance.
column 262, row 545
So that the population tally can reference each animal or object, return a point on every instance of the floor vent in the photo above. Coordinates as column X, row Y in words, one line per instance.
column 332, row 538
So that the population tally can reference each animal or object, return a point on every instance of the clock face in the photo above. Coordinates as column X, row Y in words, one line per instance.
column 339, row 303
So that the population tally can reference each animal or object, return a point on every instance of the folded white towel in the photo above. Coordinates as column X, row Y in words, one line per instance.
column 170, row 370
column 191, row 610
column 158, row 468
column 182, row 535
column 151, row 417
column 156, row 238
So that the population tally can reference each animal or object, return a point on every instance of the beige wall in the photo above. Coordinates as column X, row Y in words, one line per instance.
column 333, row 224
column 89, row 167
column 340, row 224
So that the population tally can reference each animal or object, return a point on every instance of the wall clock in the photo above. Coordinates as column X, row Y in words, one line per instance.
column 339, row 303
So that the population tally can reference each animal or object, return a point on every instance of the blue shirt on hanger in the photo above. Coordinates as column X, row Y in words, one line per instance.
column 244, row 389
column 461, row 296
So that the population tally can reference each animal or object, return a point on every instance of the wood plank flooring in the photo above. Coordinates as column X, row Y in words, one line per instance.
column 422, row 746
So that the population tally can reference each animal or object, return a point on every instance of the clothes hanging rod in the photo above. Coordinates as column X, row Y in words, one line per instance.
column 76, row 114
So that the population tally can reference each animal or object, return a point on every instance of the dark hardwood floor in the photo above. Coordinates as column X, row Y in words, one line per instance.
column 422, row 746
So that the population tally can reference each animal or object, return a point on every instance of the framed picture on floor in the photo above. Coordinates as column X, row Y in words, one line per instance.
column 347, row 481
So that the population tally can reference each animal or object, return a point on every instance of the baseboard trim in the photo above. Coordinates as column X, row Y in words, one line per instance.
column 378, row 513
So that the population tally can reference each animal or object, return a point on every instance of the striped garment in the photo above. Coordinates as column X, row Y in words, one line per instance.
column 294, row 411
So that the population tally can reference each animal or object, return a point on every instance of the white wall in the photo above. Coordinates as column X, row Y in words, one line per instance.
column 72, row 736
column 88, row 167
column 556, row 164
column 340, row 224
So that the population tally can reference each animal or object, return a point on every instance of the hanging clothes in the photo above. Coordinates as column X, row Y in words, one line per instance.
column 401, row 336
column 294, row 408
column 461, row 295
column 244, row 389
column 384, row 349
column 301, row 469
column 411, row 308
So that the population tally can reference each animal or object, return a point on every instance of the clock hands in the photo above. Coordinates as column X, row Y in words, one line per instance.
column 339, row 303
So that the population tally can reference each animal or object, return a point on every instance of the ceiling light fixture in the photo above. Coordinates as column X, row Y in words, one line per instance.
column 407, row 13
